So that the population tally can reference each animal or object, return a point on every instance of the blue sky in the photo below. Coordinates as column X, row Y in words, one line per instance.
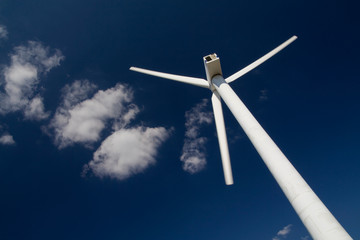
column 91, row 150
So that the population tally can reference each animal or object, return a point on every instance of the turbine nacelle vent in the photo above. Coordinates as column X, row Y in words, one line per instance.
column 212, row 66
column 210, row 57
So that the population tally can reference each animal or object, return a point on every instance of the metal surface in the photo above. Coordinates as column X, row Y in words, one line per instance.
column 212, row 66
column 260, row 60
column 318, row 220
column 221, row 132
column 190, row 80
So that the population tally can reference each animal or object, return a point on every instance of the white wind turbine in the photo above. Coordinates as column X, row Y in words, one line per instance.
column 318, row 220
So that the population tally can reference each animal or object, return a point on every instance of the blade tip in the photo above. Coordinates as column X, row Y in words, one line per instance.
column 229, row 182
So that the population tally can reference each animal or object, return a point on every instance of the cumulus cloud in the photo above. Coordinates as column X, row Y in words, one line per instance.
column 283, row 233
column 127, row 152
column 78, row 91
column 81, row 120
column 7, row 139
column 3, row 32
column 21, row 78
column 130, row 114
column 37, row 55
column 35, row 109
column 193, row 153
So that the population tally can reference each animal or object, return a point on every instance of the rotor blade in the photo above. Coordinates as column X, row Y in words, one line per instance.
column 220, row 129
column 259, row 61
column 190, row 80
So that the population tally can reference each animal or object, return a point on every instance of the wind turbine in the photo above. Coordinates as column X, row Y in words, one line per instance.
column 318, row 220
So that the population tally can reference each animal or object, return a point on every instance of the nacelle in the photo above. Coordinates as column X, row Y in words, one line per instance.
column 212, row 66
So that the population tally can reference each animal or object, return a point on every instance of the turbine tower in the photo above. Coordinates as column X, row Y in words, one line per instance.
column 318, row 220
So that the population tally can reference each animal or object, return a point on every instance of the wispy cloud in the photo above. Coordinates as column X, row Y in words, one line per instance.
column 6, row 139
column 35, row 109
column 3, row 32
column 283, row 233
column 81, row 120
column 127, row 152
column 21, row 79
column 193, row 153
column 76, row 92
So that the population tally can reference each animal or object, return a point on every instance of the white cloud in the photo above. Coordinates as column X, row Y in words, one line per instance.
column 36, row 54
column 81, row 119
column 3, row 32
column 35, row 109
column 283, row 233
column 78, row 91
column 127, row 152
column 7, row 139
column 21, row 79
column 193, row 153
column 82, row 122
column 130, row 114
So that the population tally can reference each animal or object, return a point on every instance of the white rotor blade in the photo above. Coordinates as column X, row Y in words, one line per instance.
column 259, row 61
column 220, row 129
column 190, row 80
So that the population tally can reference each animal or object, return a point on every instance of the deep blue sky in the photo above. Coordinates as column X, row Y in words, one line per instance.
column 311, row 110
